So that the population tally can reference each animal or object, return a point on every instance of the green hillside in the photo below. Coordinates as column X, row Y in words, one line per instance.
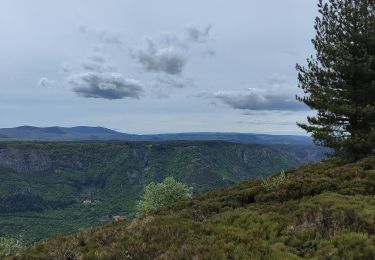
column 322, row 211
column 55, row 188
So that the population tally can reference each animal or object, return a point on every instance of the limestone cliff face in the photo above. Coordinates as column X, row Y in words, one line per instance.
column 23, row 162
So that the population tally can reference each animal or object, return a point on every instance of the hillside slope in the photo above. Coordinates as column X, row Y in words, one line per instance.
column 321, row 211
column 56, row 188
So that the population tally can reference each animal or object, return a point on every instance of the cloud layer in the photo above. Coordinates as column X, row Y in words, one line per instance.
column 256, row 99
column 98, row 78
column 165, row 57
column 168, row 54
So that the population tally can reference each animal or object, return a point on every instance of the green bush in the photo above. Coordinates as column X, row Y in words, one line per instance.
column 274, row 181
column 162, row 194
column 354, row 246
column 9, row 245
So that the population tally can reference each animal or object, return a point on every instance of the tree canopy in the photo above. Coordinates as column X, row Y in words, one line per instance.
column 339, row 80
column 157, row 195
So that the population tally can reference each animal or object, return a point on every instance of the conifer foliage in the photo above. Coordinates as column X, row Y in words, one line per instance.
column 339, row 80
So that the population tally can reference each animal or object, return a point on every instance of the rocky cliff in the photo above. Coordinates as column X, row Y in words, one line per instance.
column 22, row 161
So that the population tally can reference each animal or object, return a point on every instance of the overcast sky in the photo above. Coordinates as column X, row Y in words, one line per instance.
column 154, row 66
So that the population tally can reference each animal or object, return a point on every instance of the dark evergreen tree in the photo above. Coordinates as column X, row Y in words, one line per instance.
column 339, row 81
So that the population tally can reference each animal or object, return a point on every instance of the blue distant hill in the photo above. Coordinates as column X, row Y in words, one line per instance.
column 86, row 133
column 300, row 147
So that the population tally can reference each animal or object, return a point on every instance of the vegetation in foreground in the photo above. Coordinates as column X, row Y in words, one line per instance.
column 338, row 81
column 159, row 195
column 322, row 211
column 10, row 245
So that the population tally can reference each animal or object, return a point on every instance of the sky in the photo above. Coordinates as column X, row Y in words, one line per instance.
column 162, row 66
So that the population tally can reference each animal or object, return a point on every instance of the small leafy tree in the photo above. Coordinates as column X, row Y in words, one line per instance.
column 157, row 195
column 273, row 182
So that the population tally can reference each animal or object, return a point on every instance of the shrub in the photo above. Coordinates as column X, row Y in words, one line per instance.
column 274, row 181
column 162, row 194
column 10, row 245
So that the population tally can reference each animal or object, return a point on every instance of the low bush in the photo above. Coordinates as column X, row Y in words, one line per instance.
column 10, row 245
column 272, row 182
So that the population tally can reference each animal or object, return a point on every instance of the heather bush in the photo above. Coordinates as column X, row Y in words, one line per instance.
column 10, row 245
column 274, row 181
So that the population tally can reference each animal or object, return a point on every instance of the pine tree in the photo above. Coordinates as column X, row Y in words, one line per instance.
column 339, row 81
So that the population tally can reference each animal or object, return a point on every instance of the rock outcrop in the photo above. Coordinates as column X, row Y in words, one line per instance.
column 23, row 162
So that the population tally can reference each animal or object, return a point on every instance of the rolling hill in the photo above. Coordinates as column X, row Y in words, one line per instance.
column 85, row 133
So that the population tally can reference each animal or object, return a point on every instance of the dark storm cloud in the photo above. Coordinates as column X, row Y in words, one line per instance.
column 105, row 85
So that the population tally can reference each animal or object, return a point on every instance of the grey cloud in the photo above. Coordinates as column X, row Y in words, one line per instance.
column 171, row 40
column 277, row 95
column 97, row 63
column 45, row 82
column 169, row 59
column 198, row 35
column 169, row 53
column 105, row 85
column 255, row 99
column 265, row 122
column 65, row 68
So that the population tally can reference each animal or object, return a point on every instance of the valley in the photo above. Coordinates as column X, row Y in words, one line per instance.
column 52, row 188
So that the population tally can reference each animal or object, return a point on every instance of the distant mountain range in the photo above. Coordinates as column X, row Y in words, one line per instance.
column 300, row 147
column 85, row 133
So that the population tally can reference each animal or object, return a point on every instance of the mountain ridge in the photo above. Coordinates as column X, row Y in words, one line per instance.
column 81, row 133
